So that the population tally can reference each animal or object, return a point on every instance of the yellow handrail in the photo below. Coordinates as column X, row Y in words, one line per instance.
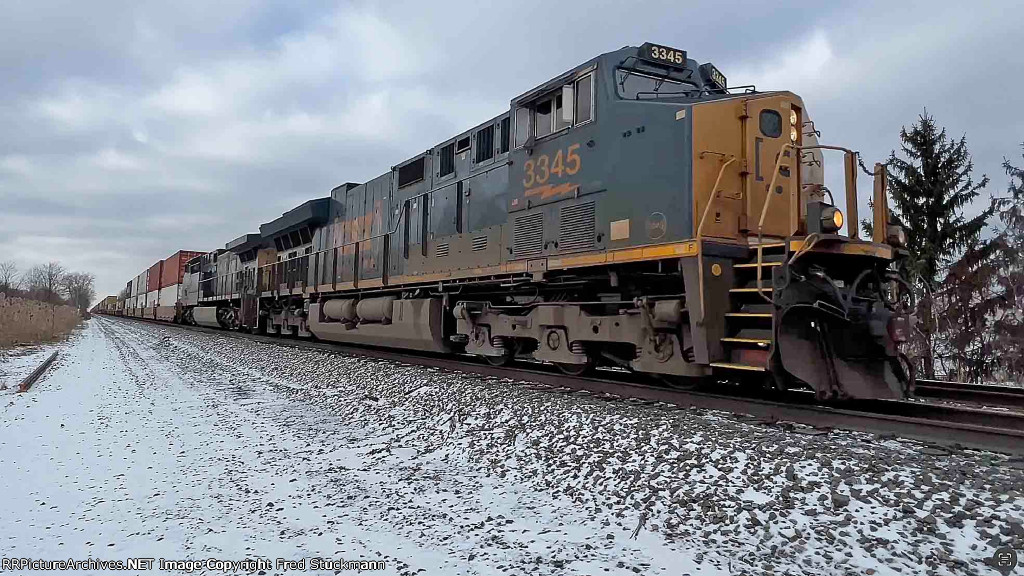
column 700, row 231
column 770, row 194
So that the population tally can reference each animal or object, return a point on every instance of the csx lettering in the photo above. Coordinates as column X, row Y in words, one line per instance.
column 538, row 171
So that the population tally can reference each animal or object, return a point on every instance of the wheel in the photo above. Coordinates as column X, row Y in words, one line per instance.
column 575, row 369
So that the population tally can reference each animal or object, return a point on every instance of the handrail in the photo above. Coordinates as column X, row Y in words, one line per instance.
column 700, row 231
column 770, row 194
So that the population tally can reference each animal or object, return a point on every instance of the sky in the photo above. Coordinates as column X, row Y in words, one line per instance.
column 131, row 130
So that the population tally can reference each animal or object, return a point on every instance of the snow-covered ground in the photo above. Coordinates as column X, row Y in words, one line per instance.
column 151, row 441
column 17, row 363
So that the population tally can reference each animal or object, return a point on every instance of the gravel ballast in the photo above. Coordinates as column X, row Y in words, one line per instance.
column 269, row 450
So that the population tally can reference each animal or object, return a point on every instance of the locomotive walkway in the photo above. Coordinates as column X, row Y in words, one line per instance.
column 150, row 440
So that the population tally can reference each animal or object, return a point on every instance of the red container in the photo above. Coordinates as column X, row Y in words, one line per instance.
column 154, row 277
column 174, row 267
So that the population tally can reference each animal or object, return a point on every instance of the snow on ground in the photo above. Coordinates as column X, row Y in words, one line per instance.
column 17, row 363
column 146, row 440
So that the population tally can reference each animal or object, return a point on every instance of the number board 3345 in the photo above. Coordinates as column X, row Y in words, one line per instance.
column 663, row 55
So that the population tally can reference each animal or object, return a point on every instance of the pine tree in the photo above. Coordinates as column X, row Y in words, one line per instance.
column 1008, row 325
column 929, row 187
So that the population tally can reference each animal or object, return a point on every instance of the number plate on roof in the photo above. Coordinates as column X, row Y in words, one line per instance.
column 663, row 55
column 712, row 75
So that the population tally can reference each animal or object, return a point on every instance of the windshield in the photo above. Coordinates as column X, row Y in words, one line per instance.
column 634, row 86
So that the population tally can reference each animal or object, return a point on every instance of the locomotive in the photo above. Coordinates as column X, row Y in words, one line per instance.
column 635, row 211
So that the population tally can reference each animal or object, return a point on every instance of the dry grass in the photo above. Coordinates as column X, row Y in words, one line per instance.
column 30, row 322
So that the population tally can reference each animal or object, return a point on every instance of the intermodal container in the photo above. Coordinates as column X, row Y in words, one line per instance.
column 174, row 267
column 153, row 278
column 168, row 295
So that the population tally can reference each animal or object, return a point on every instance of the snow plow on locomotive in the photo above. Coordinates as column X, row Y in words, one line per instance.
column 635, row 211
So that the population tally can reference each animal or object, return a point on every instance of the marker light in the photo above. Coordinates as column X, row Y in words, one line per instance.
column 792, row 133
column 792, row 117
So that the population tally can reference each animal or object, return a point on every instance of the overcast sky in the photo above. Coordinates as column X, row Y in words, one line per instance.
column 130, row 130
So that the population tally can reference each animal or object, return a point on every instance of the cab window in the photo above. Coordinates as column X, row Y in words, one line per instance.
column 569, row 106
column 543, row 117
column 585, row 99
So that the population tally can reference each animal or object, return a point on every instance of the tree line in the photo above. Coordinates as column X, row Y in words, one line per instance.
column 966, row 264
column 50, row 283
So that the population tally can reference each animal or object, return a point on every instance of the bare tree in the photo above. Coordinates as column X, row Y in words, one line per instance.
column 9, row 280
column 45, row 282
column 78, row 287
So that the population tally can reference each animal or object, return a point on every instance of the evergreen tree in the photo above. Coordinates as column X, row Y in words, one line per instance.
column 1008, row 325
column 929, row 186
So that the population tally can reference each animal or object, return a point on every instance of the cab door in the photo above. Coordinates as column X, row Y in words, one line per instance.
column 769, row 128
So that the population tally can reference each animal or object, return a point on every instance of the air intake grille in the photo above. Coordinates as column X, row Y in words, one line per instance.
column 576, row 227
column 479, row 243
column 442, row 250
column 529, row 235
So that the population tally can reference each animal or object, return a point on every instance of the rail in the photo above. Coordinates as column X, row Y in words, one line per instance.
column 31, row 378
column 986, row 394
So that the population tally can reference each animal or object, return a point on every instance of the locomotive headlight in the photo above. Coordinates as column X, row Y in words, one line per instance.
column 792, row 117
column 831, row 219
column 793, row 133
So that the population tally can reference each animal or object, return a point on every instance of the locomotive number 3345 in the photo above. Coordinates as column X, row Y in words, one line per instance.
column 540, row 170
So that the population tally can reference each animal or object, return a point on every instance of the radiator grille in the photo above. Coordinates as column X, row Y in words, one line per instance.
column 529, row 235
column 442, row 250
column 479, row 243
column 576, row 227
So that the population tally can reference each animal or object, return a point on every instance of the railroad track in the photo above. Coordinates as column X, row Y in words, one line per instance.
column 985, row 394
column 941, row 424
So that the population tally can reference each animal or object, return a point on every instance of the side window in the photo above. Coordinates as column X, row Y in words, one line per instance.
column 410, row 173
column 571, row 105
column 543, row 116
column 504, row 134
column 585, row 99
column 522, row 126
column 484, row 144
column 446, row 160
column 560, row 122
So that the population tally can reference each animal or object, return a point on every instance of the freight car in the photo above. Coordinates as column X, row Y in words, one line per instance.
column 635, row 211
column 155, row 293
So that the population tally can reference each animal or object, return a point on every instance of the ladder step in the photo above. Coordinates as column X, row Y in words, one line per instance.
column 754, row 264
column 732, row 366
column 753, row 333
column 749, row 314
column 765, row 289
column 738, row 340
